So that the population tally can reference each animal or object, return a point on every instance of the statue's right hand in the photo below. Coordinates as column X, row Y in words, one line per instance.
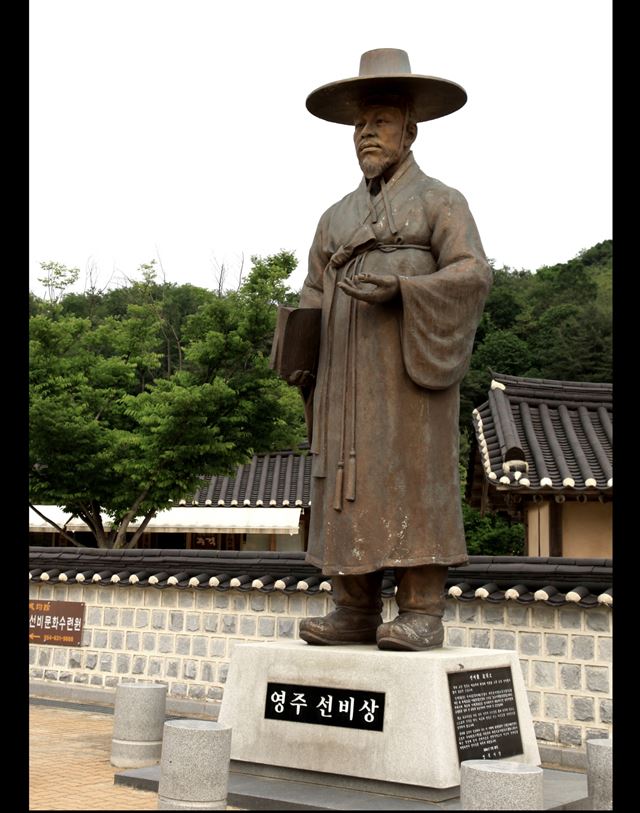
column 301, row 378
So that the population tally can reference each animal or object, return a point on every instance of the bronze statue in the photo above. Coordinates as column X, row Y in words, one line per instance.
column 399, row 273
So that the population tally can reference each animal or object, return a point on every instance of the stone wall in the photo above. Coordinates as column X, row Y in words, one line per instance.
column 185, row 639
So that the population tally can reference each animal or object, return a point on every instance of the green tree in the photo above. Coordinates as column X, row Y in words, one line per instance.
column 113, row 432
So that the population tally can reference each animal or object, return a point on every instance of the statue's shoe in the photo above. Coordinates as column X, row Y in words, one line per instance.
column 411, row 631
column 342, row 626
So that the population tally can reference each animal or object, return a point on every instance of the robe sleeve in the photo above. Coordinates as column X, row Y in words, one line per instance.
column 441, row 311
column 313, row 286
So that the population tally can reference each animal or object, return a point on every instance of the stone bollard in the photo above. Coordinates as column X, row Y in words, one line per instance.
column 139, row 715
column 600, row 774
column 490, row 784
column 194, row 767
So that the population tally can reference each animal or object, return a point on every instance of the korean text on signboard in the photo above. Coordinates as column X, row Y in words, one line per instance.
column 55, row 622
column 349, row 708
column 485, row 714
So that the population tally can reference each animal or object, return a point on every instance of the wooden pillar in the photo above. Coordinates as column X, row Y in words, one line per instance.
column 555, row 528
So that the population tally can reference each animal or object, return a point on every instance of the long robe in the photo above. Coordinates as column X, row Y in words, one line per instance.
column 385, row 486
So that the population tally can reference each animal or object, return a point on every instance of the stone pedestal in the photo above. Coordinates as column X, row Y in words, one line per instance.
column 489, row 784
column 194, row 768
column 417, row 744
column 138, row 718
column 600, row 774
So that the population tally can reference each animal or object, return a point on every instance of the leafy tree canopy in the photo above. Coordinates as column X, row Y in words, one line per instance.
column 135, row 393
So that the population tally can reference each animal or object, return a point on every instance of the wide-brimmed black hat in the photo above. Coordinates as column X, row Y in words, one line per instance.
column 385, row 73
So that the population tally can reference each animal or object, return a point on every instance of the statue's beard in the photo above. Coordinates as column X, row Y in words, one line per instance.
column 373, row 164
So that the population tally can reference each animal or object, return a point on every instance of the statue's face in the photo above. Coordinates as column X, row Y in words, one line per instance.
column 378, row 138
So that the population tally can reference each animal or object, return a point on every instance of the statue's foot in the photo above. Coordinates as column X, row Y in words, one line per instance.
column 411, row 631
column 342, row 626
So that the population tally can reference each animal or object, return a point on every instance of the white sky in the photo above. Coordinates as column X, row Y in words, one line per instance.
column 177, row 129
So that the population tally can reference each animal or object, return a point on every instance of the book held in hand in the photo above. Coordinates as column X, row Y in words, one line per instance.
column 296, row 341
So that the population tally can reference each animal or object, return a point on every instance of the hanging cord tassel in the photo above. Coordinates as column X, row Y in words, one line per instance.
column 350, row 491
column 337, row 496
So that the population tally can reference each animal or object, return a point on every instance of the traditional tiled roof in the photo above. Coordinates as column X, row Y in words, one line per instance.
column 281, row 480
column 524, row 579
column 534, row 435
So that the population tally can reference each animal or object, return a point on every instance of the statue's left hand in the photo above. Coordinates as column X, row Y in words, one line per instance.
column 387, row 287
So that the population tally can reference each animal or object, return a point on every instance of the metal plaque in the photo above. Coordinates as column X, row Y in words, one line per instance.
column 55, row 622
column 485, row 714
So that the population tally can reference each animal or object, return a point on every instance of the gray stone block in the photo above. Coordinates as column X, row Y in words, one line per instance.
column 142, row 618
column 456, row 636
column 149, row 641
column 189, row 670
column 598, row 619
column 183, row 644
column 138, row 719
column 60, row 656
column 555, row 706
column 217, row 647
column 176, row 621
column 570, row 735
column 186, row 599
column 116, row 639
column 194, row 766
column 171, row 667
column 449, row 612
column 597, row 678
column 94, row 616
column 203, row 599
column 207, row 672
column 155, row 667
column 44, row 656
column 266, row 627
column 199, row 646
column 45, row 591
column 229, row 624
column 50, row 674
column 133, row 641
column 500, row 785
column 534, row 702
column 247, row 626
column 111, row 681
column 605, row 649
column 100, row 638
column 257, row 601
column 106, row 662
column 583, row 708
column 238, row 602
column 317, row 605
column 123, row 664
column 110, row 617
column 152, row 598
column 85, row 639
column 214, row 693
column 211, row 622
column 468, row 613
column 544, row 673
column 159, row 619
column 193, row 622
column 544, row 731
column 65, row 677
column 530, row 643
column 222, row 600
column 286, row 628
column 517, row 615
column 606, row 711
column 504, row 639
column 600, row 773
column 197, row 692
column 570, row 676
column 297, row 604
column 556, row 644
column 138, row 666
column 493, row 614
column 178, row 690
column 75, row 659
column 277, row 603
column 582, row 647
column 96, row 680
column 223, row 671
column 480, row 639
column 126, row 617
column 570, row 618
column 165, row 643
column 36, row 672
column 543, row 616
column 169, row 598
